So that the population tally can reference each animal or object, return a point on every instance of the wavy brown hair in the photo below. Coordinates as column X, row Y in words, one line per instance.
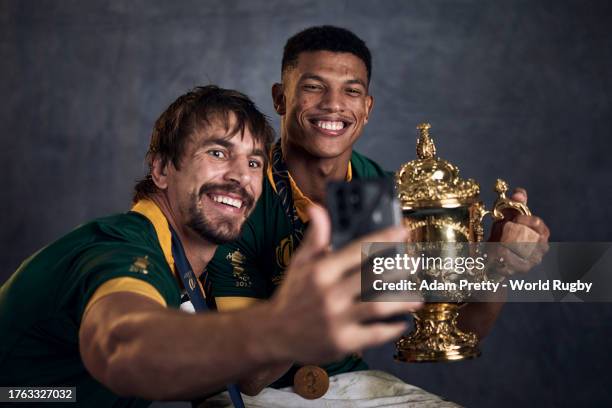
column 189, row 114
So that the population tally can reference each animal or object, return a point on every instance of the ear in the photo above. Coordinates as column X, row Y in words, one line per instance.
column 159, row 173
column 369, row 105
column 278, row 98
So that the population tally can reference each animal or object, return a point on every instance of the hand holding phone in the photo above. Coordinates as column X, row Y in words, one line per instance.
column 360, row 207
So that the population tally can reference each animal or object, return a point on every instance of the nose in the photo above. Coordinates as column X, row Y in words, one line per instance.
column 239, row 171
column 332, row 101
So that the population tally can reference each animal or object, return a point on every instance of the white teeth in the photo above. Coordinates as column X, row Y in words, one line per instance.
column 330, row 125
column 227, row 200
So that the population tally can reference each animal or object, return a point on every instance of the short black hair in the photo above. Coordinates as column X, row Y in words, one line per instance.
column 325, row 38
column 190, row 113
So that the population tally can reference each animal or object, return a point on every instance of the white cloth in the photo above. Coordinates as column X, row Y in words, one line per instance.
column 359, row 389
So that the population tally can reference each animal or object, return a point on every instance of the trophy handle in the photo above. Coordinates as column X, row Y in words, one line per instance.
column 503, row 202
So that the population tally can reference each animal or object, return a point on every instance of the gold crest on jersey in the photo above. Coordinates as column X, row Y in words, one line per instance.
column 284, row 251
column 140, row 265
column 237, row 259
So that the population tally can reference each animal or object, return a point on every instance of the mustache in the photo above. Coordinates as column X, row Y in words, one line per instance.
column 247, row 199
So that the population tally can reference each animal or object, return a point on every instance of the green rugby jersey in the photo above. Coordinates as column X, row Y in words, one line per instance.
column 41, row 305
column 253, row 266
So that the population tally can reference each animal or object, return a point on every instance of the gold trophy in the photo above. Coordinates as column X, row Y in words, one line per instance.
column 440, row 207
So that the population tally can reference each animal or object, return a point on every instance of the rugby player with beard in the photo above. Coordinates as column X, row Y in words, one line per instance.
column 98, row 309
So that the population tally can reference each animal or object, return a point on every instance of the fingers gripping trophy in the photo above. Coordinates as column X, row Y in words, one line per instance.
column 440, row 208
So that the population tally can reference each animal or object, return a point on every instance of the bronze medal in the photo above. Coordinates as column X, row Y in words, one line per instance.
column 311, row 382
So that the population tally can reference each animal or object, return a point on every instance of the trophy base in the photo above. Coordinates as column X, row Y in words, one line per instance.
column 436, row 337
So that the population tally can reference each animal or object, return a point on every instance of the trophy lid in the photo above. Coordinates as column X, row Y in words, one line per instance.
column 431, row 182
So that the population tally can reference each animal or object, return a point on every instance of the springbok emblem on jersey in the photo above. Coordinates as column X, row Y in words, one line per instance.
column 140, row 265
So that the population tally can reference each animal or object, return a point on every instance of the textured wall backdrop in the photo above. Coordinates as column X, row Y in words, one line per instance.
column 519, row 89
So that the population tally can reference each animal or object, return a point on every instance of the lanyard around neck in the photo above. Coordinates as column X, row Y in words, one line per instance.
column 188, row 277
column 190, row 282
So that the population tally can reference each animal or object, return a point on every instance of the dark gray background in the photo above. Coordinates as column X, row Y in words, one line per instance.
column 519, row 89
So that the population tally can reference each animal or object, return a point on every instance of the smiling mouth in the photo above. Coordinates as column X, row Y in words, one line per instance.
column 228, row 197
column 330, row 126
column 229, row 201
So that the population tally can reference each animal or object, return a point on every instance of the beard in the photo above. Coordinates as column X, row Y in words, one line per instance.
column 218, row 229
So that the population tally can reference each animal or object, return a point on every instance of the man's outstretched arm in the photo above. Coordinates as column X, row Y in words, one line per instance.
column 138, row 348
column 254, row 383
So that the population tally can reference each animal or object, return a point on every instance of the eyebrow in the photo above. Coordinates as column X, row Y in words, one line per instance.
column 319, row 78
column 220, row 141
column 259, row 152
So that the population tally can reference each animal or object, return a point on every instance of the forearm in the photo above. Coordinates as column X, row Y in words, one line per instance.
column 166, row 354
column 256, row 382
column 479, row 318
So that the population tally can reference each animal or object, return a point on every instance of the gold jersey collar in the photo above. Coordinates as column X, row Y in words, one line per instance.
column 154, row 214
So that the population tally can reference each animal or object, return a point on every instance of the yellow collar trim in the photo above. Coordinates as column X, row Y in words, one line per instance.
column 300, row 201
column 154, row 214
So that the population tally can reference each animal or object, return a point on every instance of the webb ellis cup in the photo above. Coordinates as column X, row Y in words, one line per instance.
column 440, row 208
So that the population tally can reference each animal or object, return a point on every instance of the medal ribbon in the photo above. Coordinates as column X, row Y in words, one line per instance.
column 280, row 175
column 190, row 282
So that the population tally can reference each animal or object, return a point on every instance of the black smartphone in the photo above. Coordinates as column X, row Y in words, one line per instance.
column 360, row 207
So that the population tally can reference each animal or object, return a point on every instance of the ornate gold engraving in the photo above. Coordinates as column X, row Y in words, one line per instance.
column 440, row 223
column 426, row 149
column 504, row 202
column 431, row 181
column 436, row 336
column 441, row 207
